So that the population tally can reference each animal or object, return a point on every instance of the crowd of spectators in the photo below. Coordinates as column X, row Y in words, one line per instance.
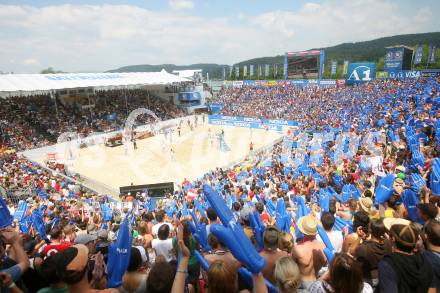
column 316, row 107
column 367, row 222
column 38, row 120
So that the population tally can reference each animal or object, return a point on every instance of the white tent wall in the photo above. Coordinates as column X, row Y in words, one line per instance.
column 28, row 84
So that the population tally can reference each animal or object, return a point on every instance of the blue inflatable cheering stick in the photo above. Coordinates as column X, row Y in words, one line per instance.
column 283, row 218
column 232, row 234
column 258, row 228
column 385, row 189
column 199, row 232
column 270, row 207
column 328, row 250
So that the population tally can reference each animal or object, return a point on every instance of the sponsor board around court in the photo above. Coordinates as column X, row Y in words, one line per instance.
column 283, row 82
column 250, row 122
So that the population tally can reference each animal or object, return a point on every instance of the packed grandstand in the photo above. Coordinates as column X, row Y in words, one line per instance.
column 346, row 202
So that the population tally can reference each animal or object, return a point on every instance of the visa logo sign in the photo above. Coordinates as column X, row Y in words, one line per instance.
column 360, row 72
column 403, row 74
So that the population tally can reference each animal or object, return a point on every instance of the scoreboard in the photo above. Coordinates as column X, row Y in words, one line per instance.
column 303, row 65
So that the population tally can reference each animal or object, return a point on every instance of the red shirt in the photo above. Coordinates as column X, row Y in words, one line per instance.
column 265, row 218
column 56, row 247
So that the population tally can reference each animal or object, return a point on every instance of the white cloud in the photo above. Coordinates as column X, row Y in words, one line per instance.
column 180, row 4
column 102, row 37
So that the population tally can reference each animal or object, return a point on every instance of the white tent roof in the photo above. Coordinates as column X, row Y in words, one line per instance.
column 46, row 82
column 189, row 73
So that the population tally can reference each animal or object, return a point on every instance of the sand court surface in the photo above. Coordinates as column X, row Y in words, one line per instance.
column 153, row 162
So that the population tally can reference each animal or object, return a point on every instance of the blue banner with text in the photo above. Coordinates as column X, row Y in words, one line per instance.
column 248, row 122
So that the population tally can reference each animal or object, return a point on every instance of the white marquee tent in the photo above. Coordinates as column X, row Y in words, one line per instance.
column 16, row 84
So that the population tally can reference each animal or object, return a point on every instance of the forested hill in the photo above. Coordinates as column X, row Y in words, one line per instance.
column 373, row 50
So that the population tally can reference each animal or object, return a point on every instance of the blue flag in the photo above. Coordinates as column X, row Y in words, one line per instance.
column 119, row 256
column 5, row 215
column 21, row 211
column 38, row 223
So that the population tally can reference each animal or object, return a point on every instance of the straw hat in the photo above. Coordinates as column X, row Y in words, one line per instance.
column 366, row 204
column 308, row 225
column 389, row 222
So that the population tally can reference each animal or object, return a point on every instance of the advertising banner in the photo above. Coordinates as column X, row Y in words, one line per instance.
column 419, row 55
column 360, row 72
column 431, row 73
column 248, row 122
column 321, row 63
column 216, row 107
column 261, row 82
column 334, row 65
column 275, row 70
column 251, row 70
column 393, row 59
column 345, row 68
column 248, row 82
column 404, row 74
column 237, row 83
column 237, row 72
column 266, row 70
column 340, row 83
column 189, row 96
column 431, row 55
column 224, row 73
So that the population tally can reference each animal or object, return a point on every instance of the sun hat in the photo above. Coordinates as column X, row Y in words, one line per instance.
column 308, row 225
column 389, row 222
column 366, row 204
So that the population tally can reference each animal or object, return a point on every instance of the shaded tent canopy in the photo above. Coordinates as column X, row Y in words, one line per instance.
column 22, row 84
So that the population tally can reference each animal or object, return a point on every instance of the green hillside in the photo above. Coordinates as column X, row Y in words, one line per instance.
column 373, row 50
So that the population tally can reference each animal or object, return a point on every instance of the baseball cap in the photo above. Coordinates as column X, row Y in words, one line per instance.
column 399, row 181
column 401, row 176
column 71, row 262
column 403, row 231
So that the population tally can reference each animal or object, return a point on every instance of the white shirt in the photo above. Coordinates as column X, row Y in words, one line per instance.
column 335, row 238
column 157, row 226
column 163, row 247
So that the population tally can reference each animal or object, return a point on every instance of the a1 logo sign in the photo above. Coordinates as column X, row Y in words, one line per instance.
column 361, row 73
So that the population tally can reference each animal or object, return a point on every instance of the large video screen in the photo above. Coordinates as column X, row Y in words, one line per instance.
column 303, row 65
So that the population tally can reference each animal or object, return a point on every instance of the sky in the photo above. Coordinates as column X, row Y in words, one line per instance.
column 94, row 35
